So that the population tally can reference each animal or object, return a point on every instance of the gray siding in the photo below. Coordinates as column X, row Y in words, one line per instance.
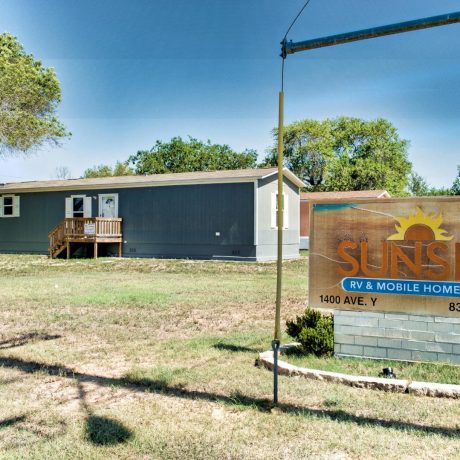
column 178, row 221
column 171, row 221
column 266, row 234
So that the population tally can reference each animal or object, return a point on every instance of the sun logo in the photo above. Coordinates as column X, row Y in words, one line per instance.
column 420, row 227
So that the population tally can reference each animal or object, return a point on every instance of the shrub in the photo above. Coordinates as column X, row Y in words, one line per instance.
column 315, row 331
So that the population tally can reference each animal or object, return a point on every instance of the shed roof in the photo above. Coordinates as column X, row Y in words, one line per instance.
column 152, row 180
column 313, row 196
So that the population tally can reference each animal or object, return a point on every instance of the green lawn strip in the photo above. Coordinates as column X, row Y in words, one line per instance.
column 198, row 358
column 422, row 372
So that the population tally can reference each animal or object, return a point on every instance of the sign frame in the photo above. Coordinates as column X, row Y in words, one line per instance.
column 335, row 276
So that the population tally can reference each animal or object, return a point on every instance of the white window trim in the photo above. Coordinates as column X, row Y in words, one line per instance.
column 87, row 211
column 274, row 224
column 101, row 195
column 15, row 204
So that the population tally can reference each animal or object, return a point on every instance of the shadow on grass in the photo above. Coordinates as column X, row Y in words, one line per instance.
column 11, row 421
column 104, row 431
column 235, row 399
column 101, row 431
column 234, row 348
column 294, row 351
column 26, row 338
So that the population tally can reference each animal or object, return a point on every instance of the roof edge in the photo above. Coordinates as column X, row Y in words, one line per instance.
column 127, row 182
column 290, row 175
column 346, row 194
column 121, row 185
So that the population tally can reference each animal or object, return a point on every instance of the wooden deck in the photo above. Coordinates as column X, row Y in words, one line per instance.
column 76, row 232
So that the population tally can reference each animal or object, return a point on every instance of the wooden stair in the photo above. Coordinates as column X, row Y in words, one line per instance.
column 58, row 249
column 76, row 232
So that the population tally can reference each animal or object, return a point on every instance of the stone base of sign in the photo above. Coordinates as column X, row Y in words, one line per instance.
column 304, row 242
column 397, row 336
column 439, row 390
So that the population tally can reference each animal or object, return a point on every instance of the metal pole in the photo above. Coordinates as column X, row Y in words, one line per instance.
column 279, row 265
column 275, row 348
column 400, row 27
column 279, row 221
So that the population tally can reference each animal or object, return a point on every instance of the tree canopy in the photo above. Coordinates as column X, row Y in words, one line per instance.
column 455, row 189
column 29, row 95
column 179, row 155
column 120, row 169
column 418, row 186
column 345, row 154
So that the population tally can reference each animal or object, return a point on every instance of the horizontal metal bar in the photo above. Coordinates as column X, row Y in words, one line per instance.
column 401, row 27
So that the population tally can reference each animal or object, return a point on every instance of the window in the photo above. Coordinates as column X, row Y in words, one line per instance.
column 9, row 206
column 78, row 206
column 274, row 217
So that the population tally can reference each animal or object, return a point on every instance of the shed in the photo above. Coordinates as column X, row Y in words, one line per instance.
column 208, row 215
column 307, row 197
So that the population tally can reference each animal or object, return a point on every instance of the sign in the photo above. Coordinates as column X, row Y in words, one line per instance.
column 400, row 255
column 90, row 229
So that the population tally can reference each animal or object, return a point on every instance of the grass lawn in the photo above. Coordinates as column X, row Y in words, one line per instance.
column 155, row 359
column 421, row 372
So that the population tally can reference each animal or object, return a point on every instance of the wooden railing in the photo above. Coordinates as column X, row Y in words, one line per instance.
column 56, row 235
column 81, row 228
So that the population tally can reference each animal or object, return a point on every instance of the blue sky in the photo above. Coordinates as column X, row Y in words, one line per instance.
column 136, row 71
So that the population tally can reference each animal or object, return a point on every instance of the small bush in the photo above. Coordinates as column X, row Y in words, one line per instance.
column 315, row 331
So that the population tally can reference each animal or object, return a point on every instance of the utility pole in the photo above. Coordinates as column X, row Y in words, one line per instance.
column 291, row 48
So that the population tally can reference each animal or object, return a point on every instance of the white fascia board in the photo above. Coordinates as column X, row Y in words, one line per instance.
column 127, row 185
column 384, row 194
column 288, row 174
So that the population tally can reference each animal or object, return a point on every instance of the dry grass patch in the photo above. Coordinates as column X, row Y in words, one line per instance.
column 154, row 359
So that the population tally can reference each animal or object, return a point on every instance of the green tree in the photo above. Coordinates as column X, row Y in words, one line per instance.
column 120, row 169
column 441, row 191
column 345, row 154
column 418, row 186
column 29, row 95
column 179, row 155
column 308, row 151
column 456, row 185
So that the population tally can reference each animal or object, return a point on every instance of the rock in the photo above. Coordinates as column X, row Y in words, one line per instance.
column 438, row 390
column 375, row 383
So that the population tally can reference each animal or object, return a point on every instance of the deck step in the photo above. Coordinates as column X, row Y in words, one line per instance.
column 56, row 250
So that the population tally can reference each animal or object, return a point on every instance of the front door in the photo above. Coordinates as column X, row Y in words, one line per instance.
column 108, row 205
